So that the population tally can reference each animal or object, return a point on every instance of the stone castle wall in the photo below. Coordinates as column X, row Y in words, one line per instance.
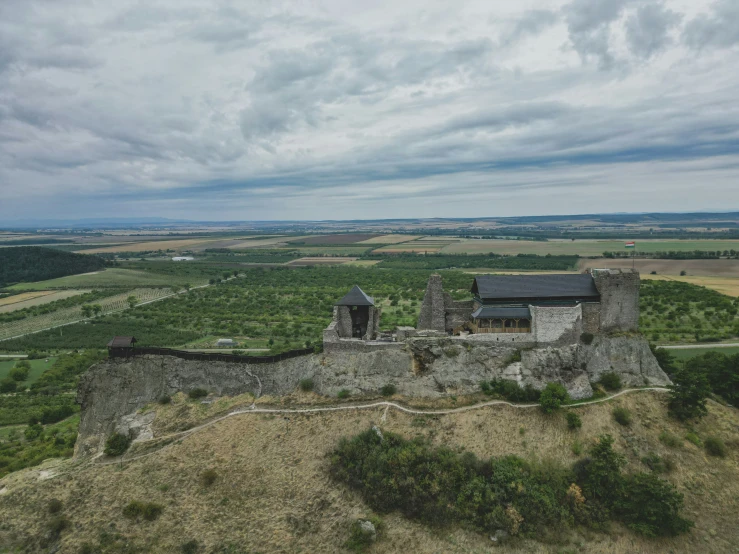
column 433, row 315
column 556, row 324
column 619, row 299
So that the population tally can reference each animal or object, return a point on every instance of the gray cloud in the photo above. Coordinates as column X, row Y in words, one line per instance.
column 719, row 28
column 648, row 27
column 220, row 107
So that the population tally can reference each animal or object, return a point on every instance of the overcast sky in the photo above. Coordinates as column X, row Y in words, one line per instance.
column 366, row 109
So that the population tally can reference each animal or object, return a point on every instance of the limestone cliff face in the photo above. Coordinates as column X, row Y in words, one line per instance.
column 111, row 392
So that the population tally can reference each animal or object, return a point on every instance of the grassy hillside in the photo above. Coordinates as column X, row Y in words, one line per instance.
column 29, row 263
column 268, row 486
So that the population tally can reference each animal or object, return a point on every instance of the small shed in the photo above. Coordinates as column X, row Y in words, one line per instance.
column 121, row 346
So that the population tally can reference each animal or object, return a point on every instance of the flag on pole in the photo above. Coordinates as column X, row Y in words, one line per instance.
column 630, row 244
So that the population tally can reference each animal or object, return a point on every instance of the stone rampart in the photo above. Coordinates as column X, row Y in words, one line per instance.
column 432, row 315
column 556, row 324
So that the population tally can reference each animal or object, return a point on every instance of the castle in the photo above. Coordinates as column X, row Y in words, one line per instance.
column 529, row 310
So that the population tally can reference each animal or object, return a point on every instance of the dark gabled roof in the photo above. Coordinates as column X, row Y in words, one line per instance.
column 121, row 342
column 501, row 312
column 356, row 297
column 554, row 286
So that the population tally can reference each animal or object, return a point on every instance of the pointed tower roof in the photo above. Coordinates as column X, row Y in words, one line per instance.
column 356, row 297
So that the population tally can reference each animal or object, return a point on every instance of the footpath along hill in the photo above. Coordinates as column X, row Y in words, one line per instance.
column 262, row 482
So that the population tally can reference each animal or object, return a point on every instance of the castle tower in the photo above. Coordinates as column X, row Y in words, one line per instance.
column 433, row 315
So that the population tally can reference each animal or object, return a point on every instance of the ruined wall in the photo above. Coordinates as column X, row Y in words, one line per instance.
column 619, row 298
column 373, row 324
column 550, row 324
column 591, row 317
column 432, row 315
column 343, row 319
column 457, row 312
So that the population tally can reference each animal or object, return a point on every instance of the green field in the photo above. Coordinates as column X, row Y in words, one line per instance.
column 682, row 354
column 581, row 247
column 37, row 368
column 113, row 277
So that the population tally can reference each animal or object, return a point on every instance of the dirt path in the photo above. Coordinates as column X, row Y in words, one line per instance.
column 702, row 345
column 174, row 437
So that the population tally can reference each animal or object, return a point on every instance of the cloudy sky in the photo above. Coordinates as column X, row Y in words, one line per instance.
column 366, row 109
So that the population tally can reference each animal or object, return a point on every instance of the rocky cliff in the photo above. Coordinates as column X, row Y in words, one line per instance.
column 111, row 392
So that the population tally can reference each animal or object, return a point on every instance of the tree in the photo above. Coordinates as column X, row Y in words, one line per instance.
column 97, row 309
column 187, row 287
column 19, row 373
column 7, row 385
column 552, row 397
column 86, row 310
column 131, row 301
column 688, row 394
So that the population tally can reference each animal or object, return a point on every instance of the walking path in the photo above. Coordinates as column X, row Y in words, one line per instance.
column 701, row 345
column 254, row 410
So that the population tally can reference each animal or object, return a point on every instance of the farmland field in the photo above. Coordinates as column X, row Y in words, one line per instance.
column 37, row 368
column 418, row 246
column 349, row 238
column 582, row 247
column 113, row 277
column 330, row 260
column 725, row 285
column 390, row 239
column 334, row 250
column 28, row 299
column 682, row 354
column 152, row 245
column 718, row 268
column 257, row 242
column 66, row 315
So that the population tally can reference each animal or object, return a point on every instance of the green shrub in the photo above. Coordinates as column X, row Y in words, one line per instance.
column 117, row 444
column 694, row 439
column 190, row 547
column 573, row 421
column 552, row 397
column 165, row 399
column 510, row 390
column 688, row 394
column 55, row 506
column 208, row 477
column 577, row 448
column 451, row 352
column 359, row 540
column 344, row 393
column 7, row 385
column 715, row 446
column 197, row 393
column 57, row 524
column 19, row 374
column 670, row 440
column 388, row 390
column 587, row 338
column 600, row 474
column 656, row 463
column 651, row 506
column 622, row 416
column 147, row 510
column 306, row 385
column 513, row 358
column 611, row 381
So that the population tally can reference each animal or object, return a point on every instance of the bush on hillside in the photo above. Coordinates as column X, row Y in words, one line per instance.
column 573, row 421
column 306, row 385
column 146, row 510
column 344, row 393
column 651, row 506
column 587, row 338
column 194, row 394
column 510, row 390
column 715, row 446
column 670, row 439
column 388, row 390
column 55, row 506
column 208, row 477
column 622, row 416
column 8, row 385
column 552, row 397
column 190, row 547
column 611, row 381
column 117, row 444
column 165, row 399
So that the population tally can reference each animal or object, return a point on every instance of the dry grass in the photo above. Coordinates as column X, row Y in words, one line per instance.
column 275, row 494
column 24, row 297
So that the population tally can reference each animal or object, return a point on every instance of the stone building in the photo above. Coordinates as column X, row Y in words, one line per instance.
column 355, row 317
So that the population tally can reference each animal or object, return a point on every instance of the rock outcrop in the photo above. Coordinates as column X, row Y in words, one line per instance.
column 111, row 392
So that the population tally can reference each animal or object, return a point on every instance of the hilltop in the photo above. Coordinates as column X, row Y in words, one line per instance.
column 270, row 490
